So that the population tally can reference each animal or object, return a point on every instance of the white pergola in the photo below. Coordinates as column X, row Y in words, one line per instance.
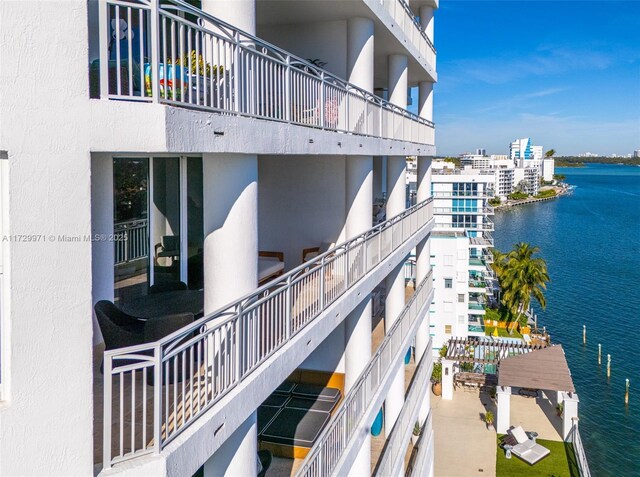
column 545, row 369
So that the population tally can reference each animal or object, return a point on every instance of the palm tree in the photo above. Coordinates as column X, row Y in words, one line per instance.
column 523, row 278
column 550, row 153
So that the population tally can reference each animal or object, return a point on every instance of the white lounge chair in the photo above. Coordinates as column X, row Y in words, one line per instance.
column 527, row 449
column 270, row 265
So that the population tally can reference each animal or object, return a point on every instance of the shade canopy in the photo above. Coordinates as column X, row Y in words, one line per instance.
column 545, row 368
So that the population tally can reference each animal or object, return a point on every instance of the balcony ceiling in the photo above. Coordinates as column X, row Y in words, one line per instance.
column 287, row 12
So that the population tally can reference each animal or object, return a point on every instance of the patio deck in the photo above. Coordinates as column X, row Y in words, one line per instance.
column 464, row 446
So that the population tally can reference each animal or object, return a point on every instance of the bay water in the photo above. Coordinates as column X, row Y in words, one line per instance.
column 591, row 242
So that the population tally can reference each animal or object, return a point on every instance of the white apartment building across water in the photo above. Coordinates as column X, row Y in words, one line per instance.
column 230, row 151
column 460, row 243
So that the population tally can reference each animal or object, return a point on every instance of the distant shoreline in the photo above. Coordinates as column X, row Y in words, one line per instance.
column 560, row 191
column 574, row 161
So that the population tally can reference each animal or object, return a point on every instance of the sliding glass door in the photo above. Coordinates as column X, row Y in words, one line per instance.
column 158, row 220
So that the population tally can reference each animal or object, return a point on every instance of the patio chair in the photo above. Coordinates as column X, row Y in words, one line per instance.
column 527, row 449
column 119, row 329
column 270, row 265
column 313, row 252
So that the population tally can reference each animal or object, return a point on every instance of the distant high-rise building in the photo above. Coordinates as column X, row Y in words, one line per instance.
column 521, row 149
column 636, row 153
column 481, row 152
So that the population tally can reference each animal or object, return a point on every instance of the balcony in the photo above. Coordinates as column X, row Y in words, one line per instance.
column 190, row 59
column 482, row 210
column 404, row 17
column 485, row 226
column 331, row 453
column 467, row 194
column 154, row 392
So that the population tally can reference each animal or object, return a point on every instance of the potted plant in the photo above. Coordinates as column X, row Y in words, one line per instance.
column 488, row 419
column 416, row 433
column 559, row 409
column 436, row 379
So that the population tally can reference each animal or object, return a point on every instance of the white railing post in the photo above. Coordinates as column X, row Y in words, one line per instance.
column 157, row 399
column 322, row 100
column 103, row 34
column 240, row 368
column 235, row 93
column 154, row 14
column 289, row 318
column 287, row 90
column 107, row 417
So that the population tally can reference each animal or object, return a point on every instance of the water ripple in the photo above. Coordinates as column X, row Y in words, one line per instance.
column 590, row 242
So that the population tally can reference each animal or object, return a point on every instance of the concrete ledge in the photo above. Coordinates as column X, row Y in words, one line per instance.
column 143, row 127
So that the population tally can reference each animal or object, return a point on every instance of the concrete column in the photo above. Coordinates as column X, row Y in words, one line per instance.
column 359, row 184
column 360, row 52
column 396, row 203
column 426, row 21
column 396, row 185
column 230, row 214
column 447, row 379
column 357, row 327
column 393, row 307
column 503, row 419
column 425, row 100
column 238, row 454
column 239, row 13
column 569, row 413
column 423, row 252
column 398, row 75
column 231, row 271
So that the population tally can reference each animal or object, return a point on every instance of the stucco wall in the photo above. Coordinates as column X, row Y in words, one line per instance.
column 325, row 41
column 46, row 423
column 301, row 203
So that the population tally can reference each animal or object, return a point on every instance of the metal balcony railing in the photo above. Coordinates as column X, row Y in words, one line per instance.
column 132, row 240
column 325, row 454
column 173, row 53
column 578, row 449
column 485, row 209
column 468, row 194
column 192, row 369
column 402, row 14
column 392, row 459
column 419, row 467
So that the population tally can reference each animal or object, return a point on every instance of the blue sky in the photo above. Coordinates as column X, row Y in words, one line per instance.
column 565, row 73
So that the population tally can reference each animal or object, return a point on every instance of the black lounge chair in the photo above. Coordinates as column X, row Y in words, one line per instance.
column 120, row 330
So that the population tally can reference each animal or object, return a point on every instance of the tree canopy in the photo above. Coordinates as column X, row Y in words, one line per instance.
column 522, row 277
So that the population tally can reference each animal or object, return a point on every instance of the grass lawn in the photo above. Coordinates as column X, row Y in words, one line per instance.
column 488, row 331
column 560, row 463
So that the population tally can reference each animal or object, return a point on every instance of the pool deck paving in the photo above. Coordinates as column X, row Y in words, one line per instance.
column 463, row 444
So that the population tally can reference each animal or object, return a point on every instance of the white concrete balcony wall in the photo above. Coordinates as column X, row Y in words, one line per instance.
column 401, row 21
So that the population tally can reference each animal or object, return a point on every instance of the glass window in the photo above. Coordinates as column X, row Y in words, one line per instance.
column 460, row 298
column 131, row 226
column 447, row 329
column 195, row 224
column 165, row 213
column 448, row 283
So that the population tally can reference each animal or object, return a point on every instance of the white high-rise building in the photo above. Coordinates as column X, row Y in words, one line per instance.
column 460, row 243
column 189, row 260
